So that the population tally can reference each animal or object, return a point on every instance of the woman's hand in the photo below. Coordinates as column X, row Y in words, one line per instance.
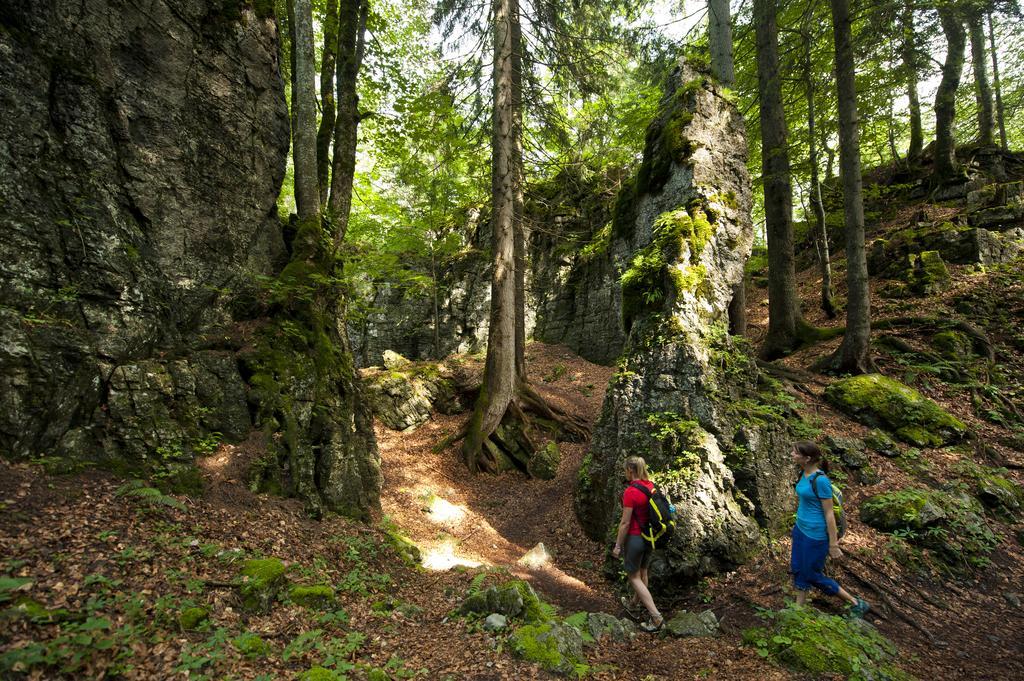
column 616, row 551
column 834, row 551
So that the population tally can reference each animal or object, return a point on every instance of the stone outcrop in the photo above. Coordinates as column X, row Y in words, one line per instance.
column 404, row 396
column 680, row 237
column 142, row 150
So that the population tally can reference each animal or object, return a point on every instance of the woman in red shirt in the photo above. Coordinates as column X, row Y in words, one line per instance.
column 630, row 544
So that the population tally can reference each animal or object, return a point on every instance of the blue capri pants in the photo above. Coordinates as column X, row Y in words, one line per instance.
column 807, row 564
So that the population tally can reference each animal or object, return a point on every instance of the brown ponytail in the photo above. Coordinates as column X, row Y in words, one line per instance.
column 812, row 452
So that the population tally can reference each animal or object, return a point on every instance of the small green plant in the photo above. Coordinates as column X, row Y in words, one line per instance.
column 136, row 489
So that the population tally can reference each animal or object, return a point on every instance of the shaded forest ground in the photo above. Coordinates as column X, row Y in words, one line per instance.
column 99, row 577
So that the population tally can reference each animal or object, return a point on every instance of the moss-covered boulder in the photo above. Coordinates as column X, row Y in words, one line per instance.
column 192, row 618
column 991, row 486
column 949, row 524
column 877, row 400
column 262, row 580
column 927, row 273
column 320, row 674
column 318, row 596
column 810, row 642
column 600, row 626
column 880, row 443
column 544, row 462
column 954, row 345
column 406, row 548
column 556, row 646
column 512, row 599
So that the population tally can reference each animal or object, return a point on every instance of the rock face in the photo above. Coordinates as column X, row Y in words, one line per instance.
column 142, row 150
column 680, row 238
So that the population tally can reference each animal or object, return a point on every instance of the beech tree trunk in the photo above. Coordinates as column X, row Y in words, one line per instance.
column 854, row 355
column 519, row 225
column 995, row 80
column 500, row 367
column 307, row 193
column 327, row 106
column 909, row 54
column 351, row 43
column 982, row 90
column 945, row 96
column 824, row 257
column 784, row 319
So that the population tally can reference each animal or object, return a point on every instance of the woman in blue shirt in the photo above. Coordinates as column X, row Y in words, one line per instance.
column 815, row 536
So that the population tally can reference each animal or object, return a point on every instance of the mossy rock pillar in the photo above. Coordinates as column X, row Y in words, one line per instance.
column 680, row 237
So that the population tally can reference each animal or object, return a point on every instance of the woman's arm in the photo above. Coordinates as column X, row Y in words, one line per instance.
column 620, row 538
column 830, row 523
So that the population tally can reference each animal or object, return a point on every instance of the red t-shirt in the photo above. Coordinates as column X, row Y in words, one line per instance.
column 637, row 500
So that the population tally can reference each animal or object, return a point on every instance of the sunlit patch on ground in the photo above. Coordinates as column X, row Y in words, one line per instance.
column 445, row 512
column 443, row 557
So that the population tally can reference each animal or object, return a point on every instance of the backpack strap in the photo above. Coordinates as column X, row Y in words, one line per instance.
column 643, row 489
column 814, row 484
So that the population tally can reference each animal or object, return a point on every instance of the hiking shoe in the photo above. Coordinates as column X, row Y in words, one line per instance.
column 651, row 627
column 631, row 608
column 860, row 609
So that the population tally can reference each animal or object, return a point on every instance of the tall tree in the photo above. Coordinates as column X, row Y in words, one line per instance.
column 785, row 321
column 908, row 51
column 982, row 90
column 351, row 47
column 307, row 193
column 817, row 205
column 328, row 62
column 854, row 354
column 995, row 80
column 720, row 43
column 945, row 96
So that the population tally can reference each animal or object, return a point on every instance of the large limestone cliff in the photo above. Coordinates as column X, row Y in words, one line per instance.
column 142, row 149
column 680, row 236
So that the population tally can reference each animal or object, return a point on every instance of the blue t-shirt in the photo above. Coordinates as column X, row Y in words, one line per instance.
column 810, row 516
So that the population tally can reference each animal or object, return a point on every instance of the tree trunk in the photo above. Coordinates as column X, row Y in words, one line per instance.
column 982, row 90
column 351, row 42
column 945, row 96
column 824, row 258
column 720, row 40
column 784, row 319
column 500, row 367
column 854, row 355
column 910, row 69
column 519, row 226
column 995, row 80
column 327, row 106
column 307, row 194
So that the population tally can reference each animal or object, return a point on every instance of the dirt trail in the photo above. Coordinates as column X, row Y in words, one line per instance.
column 456, row 517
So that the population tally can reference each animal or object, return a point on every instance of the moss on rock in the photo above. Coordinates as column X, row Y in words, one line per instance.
column 544, row 462
column 557, row 647
column 318, row 596
column 811, row 642
column 877, row 400
column 320, row 674
column 927, row 273
column 251, row 646
column 262, row 579
column 191, row 618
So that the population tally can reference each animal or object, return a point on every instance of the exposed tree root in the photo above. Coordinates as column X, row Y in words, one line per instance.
column 978, row 337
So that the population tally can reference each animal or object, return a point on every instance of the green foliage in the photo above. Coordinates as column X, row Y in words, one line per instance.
column 811, row 642
column 192, row 618
column 136, row 489
column 251, row 646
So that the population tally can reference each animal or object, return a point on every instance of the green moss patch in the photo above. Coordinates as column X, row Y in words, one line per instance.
column 557, row 647
column 877, row 400
column 320, row 674
column 927, row 273
column 319, row 596
column 544, row 462
column 991, row 486
column 251, row 646
column 192, row 618
column 811, row 642
column 262, row 579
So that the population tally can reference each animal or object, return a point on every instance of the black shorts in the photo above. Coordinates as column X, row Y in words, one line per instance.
column 637, row 553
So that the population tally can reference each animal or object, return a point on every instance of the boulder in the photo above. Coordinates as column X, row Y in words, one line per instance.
column 495, row 622
column 876, row 400
column 544, row 462
column 927, row 274
column 847, row 450
column 404, row 396
column 536, row 557
column 691, row 624
column 602, row 626
column 512, row 599
column 393, row 360
column 556, row 646
column 880, row 442
column 261, row 581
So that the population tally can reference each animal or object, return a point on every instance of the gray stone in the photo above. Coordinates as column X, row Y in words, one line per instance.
column 504, row 600
column 848, row 450
column 604, row 626
column 495, row 622
column 691, row 624
column 1013, row 599
column 536, row 557
column 544, row 462
column 393, row 360
column 880, row 442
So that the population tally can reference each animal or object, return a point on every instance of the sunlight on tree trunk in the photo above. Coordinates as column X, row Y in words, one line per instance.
column 327, row 106
column 998, row 88
column 307, row 194
column 909, row 54
column 982, row 90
